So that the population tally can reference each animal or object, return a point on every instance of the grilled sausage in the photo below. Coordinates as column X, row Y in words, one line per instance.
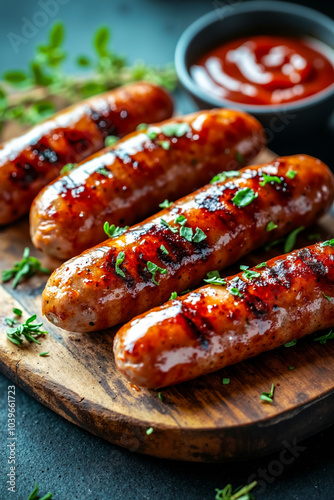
column 125, row 184
column 116, row 280
column 31, row 161
column 211, row 327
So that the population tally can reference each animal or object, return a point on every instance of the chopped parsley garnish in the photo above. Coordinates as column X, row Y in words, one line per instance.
column 248, row 274
column 323, row 339
column 262, row 264
column 164, row 249
column 269, row 178
column 199, row 235
column 165, row 204
column 175, row 129
column 119, row 261
column 238, row 494
column 239, row 157
column 153, row 269
column 30, row 331
column 173, row 296
column 328, row 243
column 46, row 353
column 110, row 140
column 226, row 381
column 113, row 231
column 268, row 397
column 291, row 174
column 67, row 168
column 271, row 226
column 214, row 278
column 327, row 297
column 160, row 396
column 244, row 197
column 164, row 144
column 27, row 267
column 171, row 228
column 225, row 175
column 149, row 431
column 181, row 220
column 291, row 368
column 186, row 233
column 291, row 239
column 152, row 133
column 17, row 311
column 142, row 126
column 291, row 343
column 234, row 291
column 103, row 171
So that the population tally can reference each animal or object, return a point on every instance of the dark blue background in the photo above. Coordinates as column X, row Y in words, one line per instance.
column 62, row 458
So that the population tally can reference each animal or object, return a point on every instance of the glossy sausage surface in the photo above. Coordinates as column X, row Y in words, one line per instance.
column 125, row 184
column 211, row 328
column 103, row 286
column 31, row 161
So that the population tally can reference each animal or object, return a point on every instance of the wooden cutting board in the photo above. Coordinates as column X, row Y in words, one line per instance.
column 201, row 420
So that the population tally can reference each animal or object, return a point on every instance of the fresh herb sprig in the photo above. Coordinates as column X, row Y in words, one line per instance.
column 113, row 231
column 28, row 330
column 268, row 397
column 25, row 268
column 242, row 493
column 45, row 79
column 34, row 493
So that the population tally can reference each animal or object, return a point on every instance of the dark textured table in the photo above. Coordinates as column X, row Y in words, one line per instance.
column 64, row 459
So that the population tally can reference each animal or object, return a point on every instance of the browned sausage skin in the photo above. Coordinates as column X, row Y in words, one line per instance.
column 125, row 184
column 31, row 161
column 113, row 282
column 211, row 328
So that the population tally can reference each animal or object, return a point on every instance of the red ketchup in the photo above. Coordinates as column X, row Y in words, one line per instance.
column 265, row 70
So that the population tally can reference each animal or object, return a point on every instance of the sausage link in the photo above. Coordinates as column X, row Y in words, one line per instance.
column 125, row 184
column 31, row 161
column 113, row 282
column 211, row 328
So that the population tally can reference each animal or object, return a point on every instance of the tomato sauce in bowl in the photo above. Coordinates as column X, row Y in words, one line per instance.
column 265, row 70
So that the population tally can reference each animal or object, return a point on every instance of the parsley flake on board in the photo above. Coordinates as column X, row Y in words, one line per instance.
column 268, row 397
column 323, row 339
column 29, row 330
column 242, row 493
column 25, row 268
column 244, row 197
column 225, row 175
column 291, row 343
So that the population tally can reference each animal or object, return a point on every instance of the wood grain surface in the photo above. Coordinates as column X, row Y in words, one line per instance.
column 201, row 420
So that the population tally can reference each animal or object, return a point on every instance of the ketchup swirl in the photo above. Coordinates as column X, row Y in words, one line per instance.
column 265, row 70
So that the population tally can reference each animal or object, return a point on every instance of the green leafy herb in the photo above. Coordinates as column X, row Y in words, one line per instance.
column 160, row 396
column 34, row 493
column 186, row 233
column 181, row 220
column 103, row 171
column 119, row 261
column 171, row 228
column 199, row 235
column 152, row 133
column 173, row 296
column 291, row 368
column 323, row 339
column 262, row 264
column 30, row 331
column 166, row 204
column 67, row 168
column 244, row 197
column 291, row 174
column 225, row 175
column 26, row 268
column 149, row 431
column 271, row 226
column 248, row 274
column 175, row 129
column 164, row 144
column 328, row 243
column 226, row 381
column 153, row 268
column 268, row 397
column 46, row 353
column 242, row 493
column 142, row 126
column 269, row 178
column 110, row 140
column 327, row 297
column 291, row 343
column 239, row 157
column 291, row 239
column 164, row 249
column 17, row 311
column 113, row 231
column 213, row 277
column 234, row 291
